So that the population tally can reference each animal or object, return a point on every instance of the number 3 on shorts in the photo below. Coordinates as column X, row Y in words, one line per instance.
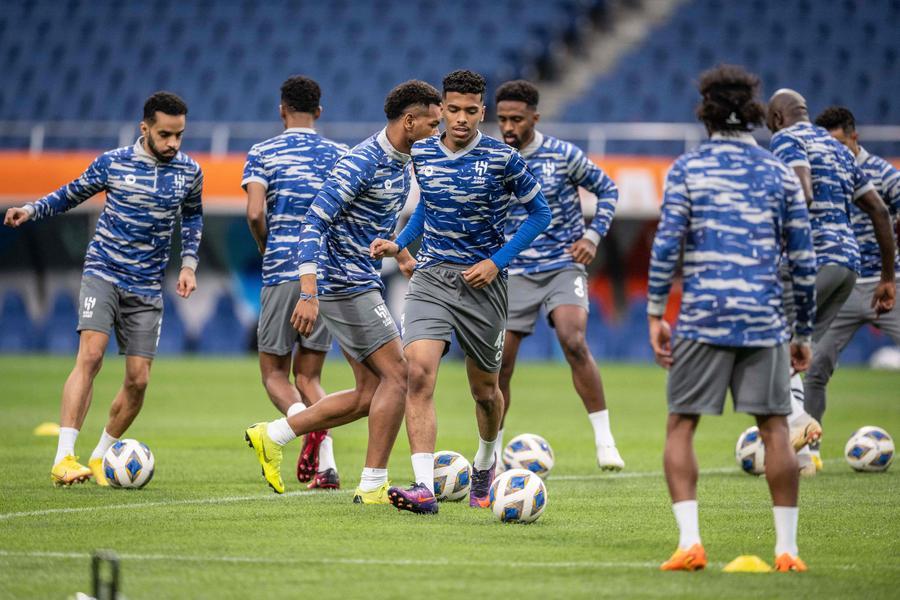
column 579, row 286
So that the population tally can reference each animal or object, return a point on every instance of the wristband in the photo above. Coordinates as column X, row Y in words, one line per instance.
column 305, row 296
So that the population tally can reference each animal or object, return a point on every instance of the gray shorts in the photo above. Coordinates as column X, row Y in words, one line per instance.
column 527, row 293
column 275, row 334
column 361, row 323
column 136, row 319
column 833, row 286
column 759, row 379
column 439, row 301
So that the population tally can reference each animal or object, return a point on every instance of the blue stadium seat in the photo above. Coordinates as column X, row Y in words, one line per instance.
column 173, row 338
column 17, row 332
column 223, row 333
column 60, row 336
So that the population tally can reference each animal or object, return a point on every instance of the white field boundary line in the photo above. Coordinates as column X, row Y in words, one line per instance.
column 399, row 562
column 640, row 474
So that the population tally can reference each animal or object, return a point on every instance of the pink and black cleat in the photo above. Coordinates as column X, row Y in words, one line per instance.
column 417, row 499
column 325, row 480
column 308, row 461
column 481, row 487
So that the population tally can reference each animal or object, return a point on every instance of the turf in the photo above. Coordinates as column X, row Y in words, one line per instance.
column 208, row 527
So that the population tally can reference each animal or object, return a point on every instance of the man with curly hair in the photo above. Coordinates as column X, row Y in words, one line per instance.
column 734, row 208
column 341, row 284
column 551, row 273
column 467, row 181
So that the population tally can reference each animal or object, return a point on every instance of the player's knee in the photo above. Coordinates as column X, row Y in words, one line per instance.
column 90, row 359
column 574, row 346
column 307, row 385
column 397, row 376
column 419, row 378
column 136, row 383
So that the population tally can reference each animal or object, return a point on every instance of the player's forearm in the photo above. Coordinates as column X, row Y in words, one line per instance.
column 64, row 199
column 537, row 221
column 660, row 277
column 191, row 233
column 415, row 227
column 259, row 231
column 804, row 174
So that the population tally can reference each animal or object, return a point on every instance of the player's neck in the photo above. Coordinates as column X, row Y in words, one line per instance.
column 454, row 145
column 397, row 137
column 299, row 121
column 526, row 141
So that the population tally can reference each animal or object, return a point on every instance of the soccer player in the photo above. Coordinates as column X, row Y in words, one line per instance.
column 831, row 181
column 735, row 207
column 551, row 273
column 467, row 182
column 148, row 185
column 359, row 202
column 857, row 310
column 281, row 177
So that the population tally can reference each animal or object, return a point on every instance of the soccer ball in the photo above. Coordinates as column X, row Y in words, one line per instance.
column 750, row 452
column 869, row 449
column 128, row 464
column 452, row 475
column 528, row 451
column 518, row 496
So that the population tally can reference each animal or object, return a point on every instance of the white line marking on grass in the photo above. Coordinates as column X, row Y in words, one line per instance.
column 635, row 474
column 401, row 562
column 219, row 500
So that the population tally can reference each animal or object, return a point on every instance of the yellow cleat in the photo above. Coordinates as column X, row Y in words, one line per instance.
column 268, row 453
column 377, row 496
column 692, row 559
column 96, row 466
column 817, row 461
column 786, row 563
column 69, row 471
column 804, row 431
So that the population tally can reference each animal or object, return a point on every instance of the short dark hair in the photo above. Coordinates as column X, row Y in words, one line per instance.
column 463, row 81
column 837, row 117
column 164, row 102
column 301, row 94
column 730, row 99
column 518, row 91
column 407, row 94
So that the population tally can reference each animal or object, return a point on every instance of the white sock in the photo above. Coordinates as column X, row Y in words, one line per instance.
column 372, row 479
column 66, row 444
column 326, row 455
column 423, row 469
column 602, row 435
column 293, row 409
column 786, row 529
column 688, row 525
column 797, row 397
column 499, row 447
column 484, row 458
column 280, row 432
column 103, row 445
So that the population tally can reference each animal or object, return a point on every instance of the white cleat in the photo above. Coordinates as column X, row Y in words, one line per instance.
column 805, row 430
column 608, row 458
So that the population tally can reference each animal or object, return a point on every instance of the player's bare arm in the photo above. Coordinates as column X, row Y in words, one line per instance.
column 307, row 309
column 256, row 214
column 187, row 282
column 872, row 204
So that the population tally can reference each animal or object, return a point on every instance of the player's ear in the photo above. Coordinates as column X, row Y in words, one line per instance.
column 145, row 129
column 537, row 116
column 317, row 113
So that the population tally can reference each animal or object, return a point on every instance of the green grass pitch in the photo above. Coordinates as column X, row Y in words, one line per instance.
column 208, row 527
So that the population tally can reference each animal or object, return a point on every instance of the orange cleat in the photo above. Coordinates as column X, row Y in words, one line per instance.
column 692, row 559
column 785, row 563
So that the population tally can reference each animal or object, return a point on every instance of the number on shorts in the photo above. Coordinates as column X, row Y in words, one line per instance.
column 579, row 286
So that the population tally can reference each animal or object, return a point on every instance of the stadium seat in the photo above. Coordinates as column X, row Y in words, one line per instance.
column 18, row 332
column 60, row 336
column 223, row 333
column 173, row 337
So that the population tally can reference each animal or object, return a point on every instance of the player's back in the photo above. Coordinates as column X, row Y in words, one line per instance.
column 292, row 167
column 467, row 196
column 735, row 197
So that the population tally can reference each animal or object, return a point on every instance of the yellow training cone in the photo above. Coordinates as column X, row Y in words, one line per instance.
column 747, row 563
column 47, row 429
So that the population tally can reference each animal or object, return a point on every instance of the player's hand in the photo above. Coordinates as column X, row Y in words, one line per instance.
column 187, row 282
column 661, row 340
column 16, row 216
column 379, row 248
column 304, row 317
column 883, row 298
column 583, row 251
column 481, row 274
column 407, row 265
column 801, row 356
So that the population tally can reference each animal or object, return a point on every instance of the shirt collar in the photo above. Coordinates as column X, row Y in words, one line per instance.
column 389, row 149
column 142, row 154
column 863, row 156
column 738, row 136
column 533, row 145
column 299, row 130
column 461, row 151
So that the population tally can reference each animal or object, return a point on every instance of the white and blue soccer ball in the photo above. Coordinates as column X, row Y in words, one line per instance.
column 750, row 452
column 529, row 451
column 128, row 464
column 518, row 496
column 870, row 449
column 452, row 475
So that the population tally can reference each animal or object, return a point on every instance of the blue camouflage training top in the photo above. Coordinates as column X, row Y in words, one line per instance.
column 837, row 181
column 466, row 196
column 561, row 168
column 886, row 180
column 292, row 167
column 736, row 208
column 131, row 244
column 359, row 202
